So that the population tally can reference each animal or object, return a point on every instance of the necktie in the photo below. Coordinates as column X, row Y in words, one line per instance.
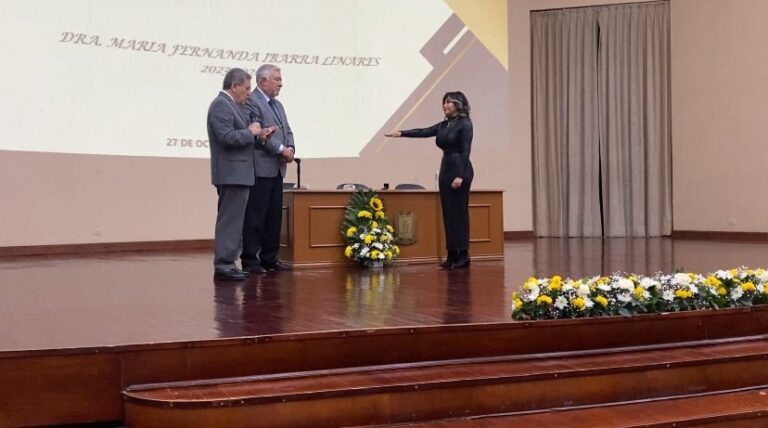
column 274, row 109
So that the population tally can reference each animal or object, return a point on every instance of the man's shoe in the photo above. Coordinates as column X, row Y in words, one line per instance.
column 463, row 260
column 255, row 269
column 278, row 265
column 231, row 274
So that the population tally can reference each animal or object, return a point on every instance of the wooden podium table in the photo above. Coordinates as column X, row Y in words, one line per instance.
column 311, row 232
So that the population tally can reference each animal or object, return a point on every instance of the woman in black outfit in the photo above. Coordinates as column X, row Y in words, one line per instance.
column 454, row 137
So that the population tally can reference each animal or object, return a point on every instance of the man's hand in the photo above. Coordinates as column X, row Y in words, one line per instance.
column 255, row 128
column 456, row 183
column 393, row 134
column 266, row 133
column 287, row 154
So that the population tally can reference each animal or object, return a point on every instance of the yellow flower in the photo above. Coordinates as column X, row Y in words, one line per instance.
column 579, row 303
column 351, row 231
column 379, row 214
column 396, row 249
column 544, row 299
column 602, row 301
column 734, row 272
column 515, row 295
column 390, row 229
column 722, row 291
column 639, row 292
column 530, row 282
column 374, row 225
column 368, row 239
column 376, row 204
column 348, row 251
column 633, row 278
column 555, row 283
column 364, row 214
column 388, row 255
column 384, row 238
column 518, row 304
column 683, row 294
column 712, row 281
column 748, row 287
column 375, row 254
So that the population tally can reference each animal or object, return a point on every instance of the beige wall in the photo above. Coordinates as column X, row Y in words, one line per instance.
column 720, row 80
column 719, row 106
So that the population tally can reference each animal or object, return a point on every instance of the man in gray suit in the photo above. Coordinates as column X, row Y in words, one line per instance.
column 263, row 218
column 231, row 137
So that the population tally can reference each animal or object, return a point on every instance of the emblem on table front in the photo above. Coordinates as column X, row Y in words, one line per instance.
column 405, row 224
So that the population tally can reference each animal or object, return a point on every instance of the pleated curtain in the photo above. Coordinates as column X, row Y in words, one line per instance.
column 601, row 121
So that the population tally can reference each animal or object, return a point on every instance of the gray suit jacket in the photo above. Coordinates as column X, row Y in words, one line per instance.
column 267, row 159
column 231, row 143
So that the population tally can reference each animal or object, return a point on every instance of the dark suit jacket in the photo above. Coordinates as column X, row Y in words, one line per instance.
column 231, row 143
column 267, row 159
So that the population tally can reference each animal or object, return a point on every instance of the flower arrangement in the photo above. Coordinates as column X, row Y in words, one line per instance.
column 369, row 237
column 629, row 294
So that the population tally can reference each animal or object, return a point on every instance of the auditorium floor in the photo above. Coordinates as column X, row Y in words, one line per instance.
column 131, row 298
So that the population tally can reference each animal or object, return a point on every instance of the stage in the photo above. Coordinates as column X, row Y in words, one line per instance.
column 117, row 313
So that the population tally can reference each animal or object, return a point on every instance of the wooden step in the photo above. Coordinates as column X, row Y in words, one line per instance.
column 737, row 408
column 448, row 389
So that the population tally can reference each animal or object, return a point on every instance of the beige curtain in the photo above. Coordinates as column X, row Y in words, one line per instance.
column 601, row 121
column 565, row 132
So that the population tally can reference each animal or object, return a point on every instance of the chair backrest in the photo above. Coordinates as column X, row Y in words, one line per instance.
column 404, row 186
column 288, row 185
column 352, row 186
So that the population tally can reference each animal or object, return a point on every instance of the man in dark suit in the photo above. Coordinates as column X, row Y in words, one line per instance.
column 263, row 218
column 231, row 137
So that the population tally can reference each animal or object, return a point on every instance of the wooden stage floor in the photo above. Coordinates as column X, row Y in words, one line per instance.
column 153, row 297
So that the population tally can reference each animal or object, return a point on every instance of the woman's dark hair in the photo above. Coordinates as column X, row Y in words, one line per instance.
column 459, row 100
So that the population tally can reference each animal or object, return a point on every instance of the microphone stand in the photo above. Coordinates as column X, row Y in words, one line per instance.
column 298, row 172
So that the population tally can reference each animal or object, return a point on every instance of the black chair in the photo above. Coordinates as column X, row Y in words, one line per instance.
column 409, row 186
column 357, row 186
column 288, row 185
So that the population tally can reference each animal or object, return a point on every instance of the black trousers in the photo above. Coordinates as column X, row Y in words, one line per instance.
column 455, row 204
column 263, row 219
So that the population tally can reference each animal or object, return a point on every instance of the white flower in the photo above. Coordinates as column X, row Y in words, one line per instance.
column 625, row 284
column 681, row 279
column 364, row 251
column 568, row 286
column 589, row 303
column 583, row 290
column 736, row 293
column 723, row 274
column 533, row 293
column 624, row 297
column 763, row 275
column 668, row 295
column 362, row 236
column 693, row 288
column 561, row 302
column 604, row 287
column 647, row 283
column 378, row 245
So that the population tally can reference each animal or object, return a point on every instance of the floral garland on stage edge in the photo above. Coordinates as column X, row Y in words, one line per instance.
column 369, row 237
column 620, row 294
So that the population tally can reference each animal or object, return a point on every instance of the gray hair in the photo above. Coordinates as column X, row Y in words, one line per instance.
column 265, row 71
column 235, row 76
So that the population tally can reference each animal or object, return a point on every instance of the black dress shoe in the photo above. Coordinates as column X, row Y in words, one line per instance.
column 278, row 265
column 255, row 269
column 462, row 262
column 450, row 259
column 231, row 274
